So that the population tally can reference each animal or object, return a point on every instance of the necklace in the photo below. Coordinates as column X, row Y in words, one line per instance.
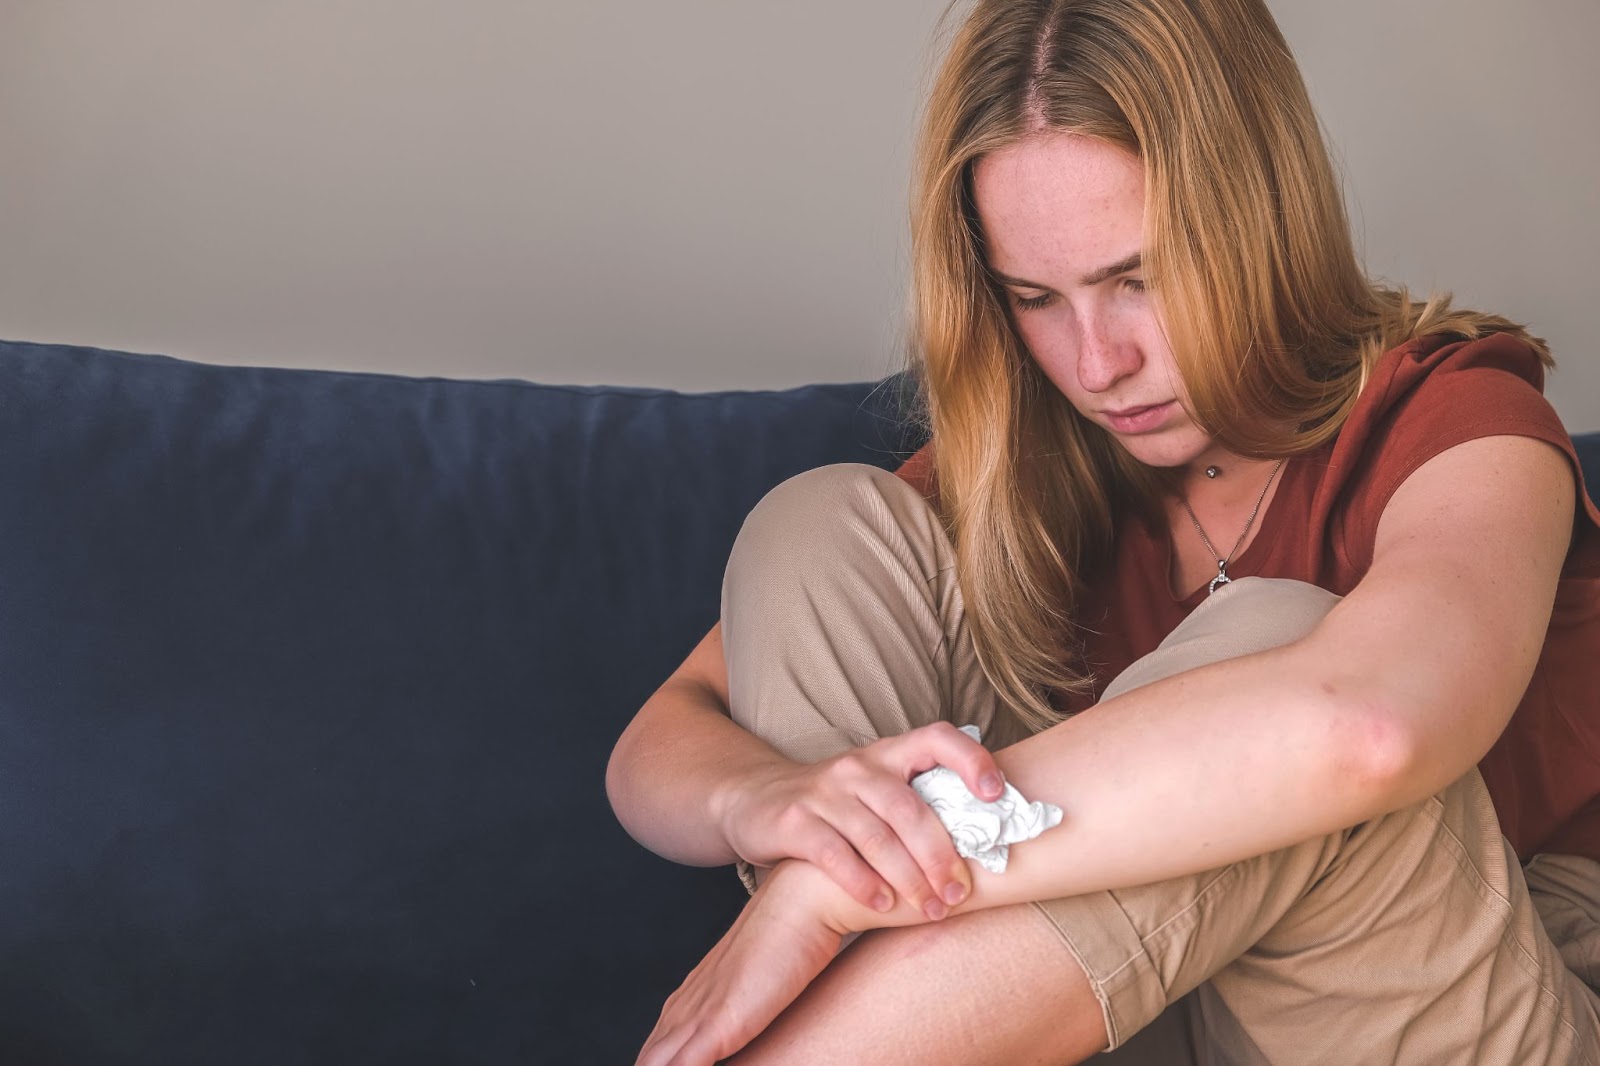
column 1222, row 577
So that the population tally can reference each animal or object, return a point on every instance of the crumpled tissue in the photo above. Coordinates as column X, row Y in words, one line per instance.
column 982, row 829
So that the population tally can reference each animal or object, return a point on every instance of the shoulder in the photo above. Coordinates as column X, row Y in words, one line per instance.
column 1500, row 368
column 1433, row 393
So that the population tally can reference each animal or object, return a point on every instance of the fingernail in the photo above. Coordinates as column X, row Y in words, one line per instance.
column 882, row 901
column 934, row 910
column 954, row 893
column 990, row 785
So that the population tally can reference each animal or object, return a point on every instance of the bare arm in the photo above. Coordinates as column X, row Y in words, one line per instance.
column 1400, row 689
column 694, row 786
column 1403, row 687
column 680, row 750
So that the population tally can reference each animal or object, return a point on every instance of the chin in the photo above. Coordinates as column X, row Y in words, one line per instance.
column 1152, row 450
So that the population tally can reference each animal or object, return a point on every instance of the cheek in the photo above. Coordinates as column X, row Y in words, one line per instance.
column 1051, row 348
column 1060, row 369
column 1163, row 362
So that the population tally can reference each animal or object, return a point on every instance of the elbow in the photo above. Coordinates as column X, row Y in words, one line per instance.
column 616, row 774
column 1388, row 754
column 611, row 777
column 624, row 806
column 1375, row 750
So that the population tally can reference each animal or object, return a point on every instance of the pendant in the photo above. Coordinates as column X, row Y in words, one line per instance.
column 1221, row 579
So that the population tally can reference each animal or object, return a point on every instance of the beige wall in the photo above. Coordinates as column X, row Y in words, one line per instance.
column 695, row 194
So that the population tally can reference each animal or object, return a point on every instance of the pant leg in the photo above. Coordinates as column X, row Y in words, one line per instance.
column 841, row 586
column 1372, row 944
column 842, row 623
column 1566, row 892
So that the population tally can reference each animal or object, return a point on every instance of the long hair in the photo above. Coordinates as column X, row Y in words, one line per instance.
column 1274, row 324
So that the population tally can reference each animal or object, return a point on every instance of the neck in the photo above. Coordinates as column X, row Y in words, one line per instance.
column 1239, row 478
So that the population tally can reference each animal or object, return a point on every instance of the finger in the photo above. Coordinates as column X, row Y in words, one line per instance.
column 876, row 838
column 663, row 1045
column 941, row 879
column 704, row 1048
column 942, row 744
column 837, row 856
column 691, row 1051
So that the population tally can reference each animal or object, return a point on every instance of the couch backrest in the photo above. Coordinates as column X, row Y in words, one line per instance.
column 307, row 685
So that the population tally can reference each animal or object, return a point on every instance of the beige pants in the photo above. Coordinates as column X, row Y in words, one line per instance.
column 1414, row 938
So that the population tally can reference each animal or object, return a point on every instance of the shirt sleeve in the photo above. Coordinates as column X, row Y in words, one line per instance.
column 1429, row 396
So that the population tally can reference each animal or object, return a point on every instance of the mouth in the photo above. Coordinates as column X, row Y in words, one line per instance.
column 1139, row 419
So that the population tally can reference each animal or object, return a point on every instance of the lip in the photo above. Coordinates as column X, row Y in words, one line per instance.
column 1139, row 419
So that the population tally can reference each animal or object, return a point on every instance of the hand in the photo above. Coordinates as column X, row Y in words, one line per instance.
column 856, row 818
column 781, row 941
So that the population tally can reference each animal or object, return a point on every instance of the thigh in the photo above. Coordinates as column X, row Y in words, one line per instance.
column 843, row 623
column 842, row 619
column 1409, row 938
column 1371, row 944
column 1420, row 944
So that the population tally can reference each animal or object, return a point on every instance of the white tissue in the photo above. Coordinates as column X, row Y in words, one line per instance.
column 981, row 829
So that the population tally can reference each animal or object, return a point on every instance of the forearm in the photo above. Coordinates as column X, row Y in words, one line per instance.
column 1397, row 692
column 1199, row 770
column 1184, row 775
column 680, row 752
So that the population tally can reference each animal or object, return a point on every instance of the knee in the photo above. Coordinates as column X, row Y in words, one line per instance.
column 811, row 514
column 824, row 488
column 849, row 526
column 1249, row 614
column 1290, row 608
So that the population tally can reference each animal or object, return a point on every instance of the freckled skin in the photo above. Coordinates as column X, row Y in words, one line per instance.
column 1054, row 208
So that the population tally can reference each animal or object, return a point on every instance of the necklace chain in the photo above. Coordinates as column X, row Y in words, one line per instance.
column 1222, row 577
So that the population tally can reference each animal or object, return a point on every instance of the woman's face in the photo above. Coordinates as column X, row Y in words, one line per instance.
column 1063, row 217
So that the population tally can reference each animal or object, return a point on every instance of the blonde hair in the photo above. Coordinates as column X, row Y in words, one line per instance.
column 1274, row 325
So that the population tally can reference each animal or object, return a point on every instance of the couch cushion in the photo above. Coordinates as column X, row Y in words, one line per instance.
column 296, row 666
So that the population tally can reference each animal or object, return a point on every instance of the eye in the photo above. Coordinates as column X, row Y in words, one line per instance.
column 1133, row 284
column 1031, row 303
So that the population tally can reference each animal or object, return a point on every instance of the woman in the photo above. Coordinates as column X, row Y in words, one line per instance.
column 1332, row 546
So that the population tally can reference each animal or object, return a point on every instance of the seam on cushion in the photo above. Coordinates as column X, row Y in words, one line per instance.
column 638, row 392
column 182, row 364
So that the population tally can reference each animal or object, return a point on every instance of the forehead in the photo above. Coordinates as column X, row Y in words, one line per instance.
column 1060, row 201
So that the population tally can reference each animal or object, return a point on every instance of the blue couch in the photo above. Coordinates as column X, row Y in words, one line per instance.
column 297, row 666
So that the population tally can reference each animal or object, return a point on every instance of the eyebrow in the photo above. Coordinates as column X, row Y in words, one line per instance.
column 1094, row 277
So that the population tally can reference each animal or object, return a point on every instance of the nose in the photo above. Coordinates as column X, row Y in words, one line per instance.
column 1105, row 357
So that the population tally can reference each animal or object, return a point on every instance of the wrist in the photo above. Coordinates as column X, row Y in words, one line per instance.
column 729, row 790
column 806, row 886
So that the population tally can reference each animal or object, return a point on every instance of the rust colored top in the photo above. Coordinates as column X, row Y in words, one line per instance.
column 1424, row 397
